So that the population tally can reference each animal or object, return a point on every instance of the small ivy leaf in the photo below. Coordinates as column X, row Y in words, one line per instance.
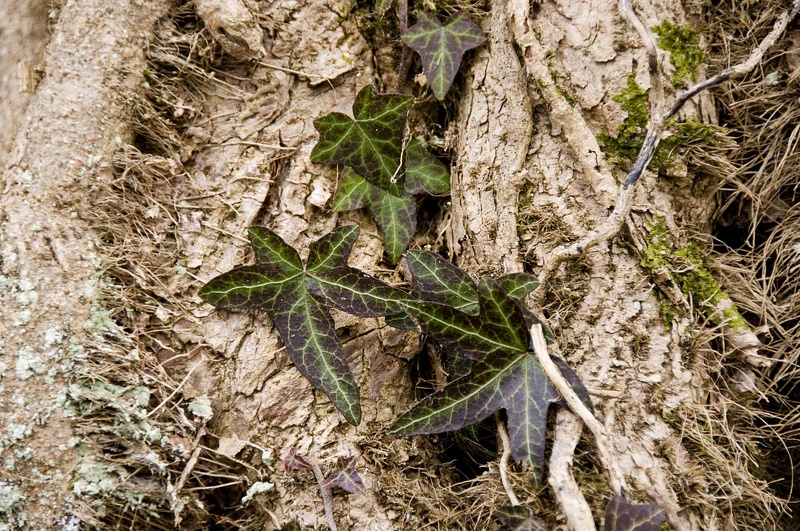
column 372, row 144
column 352, row 193
column 294, row 461
column 425, row 174
column 624, row 516
column 397, row 219
column 437, row 280
column 294, row 525
column 441, row 47
column 395, row 216
column 345, row 477
column 519, row 518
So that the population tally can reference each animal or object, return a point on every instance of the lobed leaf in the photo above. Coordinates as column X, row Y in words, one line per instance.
column 293, row 297
column 425, row 174
column 345, row 477
column 372, row 144
column 624, row 516
column 501, row 373
column 519, row 518
column 437, row 280
column 442, row 46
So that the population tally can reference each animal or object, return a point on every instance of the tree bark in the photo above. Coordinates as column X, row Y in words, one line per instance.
column 159, row 133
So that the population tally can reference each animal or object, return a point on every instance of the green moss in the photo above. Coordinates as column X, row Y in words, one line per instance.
column 687, row 268
column 623, row 149
column 683, row 47
column 566, row 95
column 631, row 133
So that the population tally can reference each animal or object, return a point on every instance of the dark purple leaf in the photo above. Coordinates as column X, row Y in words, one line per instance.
column 624, row 516
column 294, row 461
column 441, row 47
column 345, row 477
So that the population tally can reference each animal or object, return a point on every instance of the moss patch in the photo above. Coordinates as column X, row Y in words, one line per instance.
column 622, row 150
column 687, row 268
column 631, row 132
column 683, row 47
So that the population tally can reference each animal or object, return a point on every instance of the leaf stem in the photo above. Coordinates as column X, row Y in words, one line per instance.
column 327, row 496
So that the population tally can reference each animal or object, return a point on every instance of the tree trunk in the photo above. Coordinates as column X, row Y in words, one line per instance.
column 158, row 133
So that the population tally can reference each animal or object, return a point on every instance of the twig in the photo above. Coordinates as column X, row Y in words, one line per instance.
column 616, row 478
column 502, row 431
column 611, row 226
column 649, row 43
column 176, row 508
column 566, row 489
column 327, row 498
column 174, row 391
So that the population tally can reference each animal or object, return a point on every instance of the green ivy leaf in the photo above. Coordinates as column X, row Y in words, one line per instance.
column 295, row 298
column 395, row 216
column 372, row 144
column 503, row 373
column 441, row 47
column 624, row 516
column 437, row 280
column 519, row 518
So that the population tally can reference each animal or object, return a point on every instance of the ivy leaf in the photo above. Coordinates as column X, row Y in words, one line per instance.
column 425, row 174
column 437, row 280
column 395, row 216
column 441, row 47
column 503, row 373
column 372, row 144
column 294, row 297
column 294, row 461
column 624, row 516
column 519, row 518
column 345, row 477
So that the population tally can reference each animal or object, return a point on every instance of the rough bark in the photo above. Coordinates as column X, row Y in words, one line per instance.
column 224, row 125
column 50, row 259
